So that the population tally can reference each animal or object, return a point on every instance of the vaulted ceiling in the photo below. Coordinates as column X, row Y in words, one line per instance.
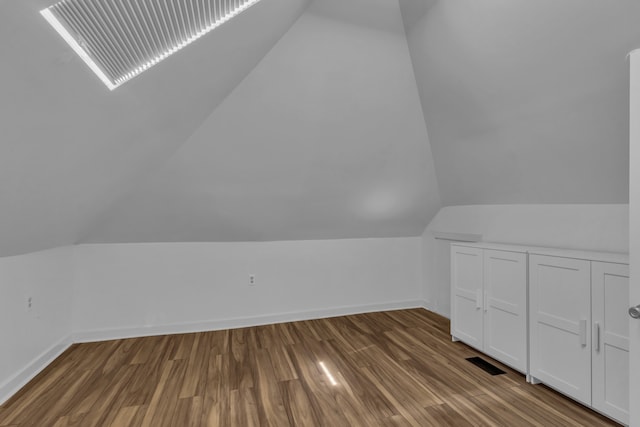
column 311, row 119
column 526, row 101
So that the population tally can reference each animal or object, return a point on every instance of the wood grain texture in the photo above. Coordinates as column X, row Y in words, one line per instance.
column 396, row 368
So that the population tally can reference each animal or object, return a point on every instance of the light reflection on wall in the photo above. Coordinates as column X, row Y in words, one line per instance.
column 383, row 203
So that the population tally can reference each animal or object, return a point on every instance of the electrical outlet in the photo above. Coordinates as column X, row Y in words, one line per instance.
column 252, row 280
column 29, row 302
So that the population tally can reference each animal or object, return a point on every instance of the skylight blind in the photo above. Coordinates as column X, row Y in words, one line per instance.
column 119, row 39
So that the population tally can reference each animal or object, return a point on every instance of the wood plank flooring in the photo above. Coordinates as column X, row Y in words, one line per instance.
column 395, row 368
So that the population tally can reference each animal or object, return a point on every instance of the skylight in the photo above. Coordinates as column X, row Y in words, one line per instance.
column 119, row 39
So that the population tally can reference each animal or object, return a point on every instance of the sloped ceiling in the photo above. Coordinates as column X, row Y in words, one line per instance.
column 525, row 101
column 325, row 138
column 274, row 127
column 69, row 147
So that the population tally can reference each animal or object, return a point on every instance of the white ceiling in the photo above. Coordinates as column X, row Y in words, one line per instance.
column 69, row 147
column 274, row 127
column 526, row 101
column 325, row 138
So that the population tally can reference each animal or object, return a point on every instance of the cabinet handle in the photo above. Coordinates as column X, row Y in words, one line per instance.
column 596, row 336
column 583, row 332
column 478, row 299
column 486, row 300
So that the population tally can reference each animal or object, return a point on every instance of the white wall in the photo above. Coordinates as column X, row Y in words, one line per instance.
column 588, row 227
column 134, row 289
column 634, row 204
column 30, row 338
column 104, row 291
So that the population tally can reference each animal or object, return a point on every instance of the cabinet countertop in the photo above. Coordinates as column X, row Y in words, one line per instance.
column 614, row 257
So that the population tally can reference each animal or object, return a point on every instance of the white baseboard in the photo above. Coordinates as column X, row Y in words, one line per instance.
column 19, row 380
column 440, row 312
column 14, row 384
column 233, row 323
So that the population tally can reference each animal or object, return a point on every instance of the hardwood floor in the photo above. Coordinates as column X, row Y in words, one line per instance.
column 396, row 368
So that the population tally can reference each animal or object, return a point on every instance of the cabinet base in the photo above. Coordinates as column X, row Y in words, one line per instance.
column 533, row 380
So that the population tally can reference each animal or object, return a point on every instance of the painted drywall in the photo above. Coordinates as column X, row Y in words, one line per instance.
column 94, row 292
column 70, row 147
column 525, row 101
column 31, row 337
column 634, row 206
column 141, row 289
column 588, row 227
column 325, row 138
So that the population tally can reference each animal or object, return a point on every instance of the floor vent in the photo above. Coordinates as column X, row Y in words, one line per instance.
column 486, row 366
column 119, row 39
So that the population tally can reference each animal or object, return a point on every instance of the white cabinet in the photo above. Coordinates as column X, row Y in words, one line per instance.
column 489, row 301
column 560, row 307
column 610, row 295
column 558, row 315
column 466, row 295
column 579, row 331
column 505, row 307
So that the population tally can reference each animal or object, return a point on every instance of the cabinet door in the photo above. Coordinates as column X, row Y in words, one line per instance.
column 466, row 295
column 610, row 294
column 505, row 307
column 560, row 315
